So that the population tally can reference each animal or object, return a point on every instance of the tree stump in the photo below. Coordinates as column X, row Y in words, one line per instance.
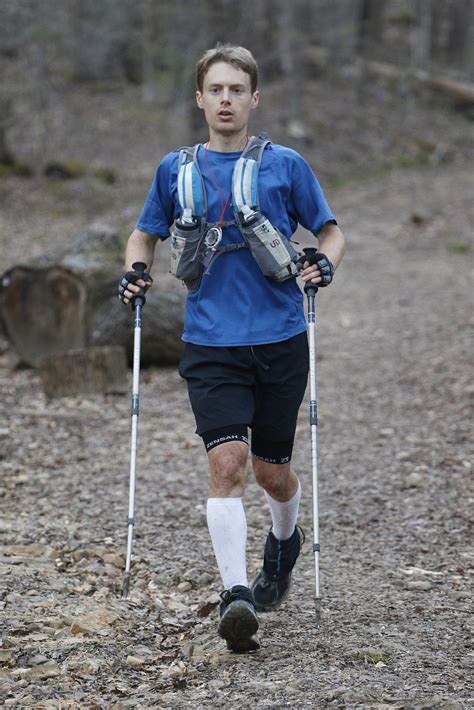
column 95, row 370
column 43, row 311
column 69, row 301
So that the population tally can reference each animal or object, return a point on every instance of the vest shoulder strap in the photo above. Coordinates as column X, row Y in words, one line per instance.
column 191, row 192
column 245, row 175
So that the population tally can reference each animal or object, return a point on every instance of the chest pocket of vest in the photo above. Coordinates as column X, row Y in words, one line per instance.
column 185, row 255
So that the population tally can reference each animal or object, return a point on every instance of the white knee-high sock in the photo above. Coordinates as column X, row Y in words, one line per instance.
column 228, row 529
column 284, row 515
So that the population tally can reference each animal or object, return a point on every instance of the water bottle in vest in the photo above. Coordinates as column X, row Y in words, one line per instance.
column 184, row 253
column 274, row 254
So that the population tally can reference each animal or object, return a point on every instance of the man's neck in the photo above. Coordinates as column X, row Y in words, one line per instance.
column 227, row 144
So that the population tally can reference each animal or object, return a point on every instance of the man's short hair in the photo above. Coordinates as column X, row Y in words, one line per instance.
column 238, row 57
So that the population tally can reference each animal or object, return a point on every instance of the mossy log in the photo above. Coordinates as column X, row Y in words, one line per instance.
column 69, row 301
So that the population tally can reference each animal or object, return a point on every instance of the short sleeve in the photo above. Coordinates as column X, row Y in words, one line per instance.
column 158, row 212
column 307, row 198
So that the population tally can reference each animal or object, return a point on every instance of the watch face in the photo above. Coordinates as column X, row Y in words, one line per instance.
column 213, row 237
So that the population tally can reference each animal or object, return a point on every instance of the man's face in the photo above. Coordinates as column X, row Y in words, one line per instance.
column 226, row 98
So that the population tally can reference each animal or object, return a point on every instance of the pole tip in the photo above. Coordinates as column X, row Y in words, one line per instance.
column 317, row 610
column 126, row 585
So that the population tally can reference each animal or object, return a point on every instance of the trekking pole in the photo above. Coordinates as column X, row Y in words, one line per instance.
column 137, row 303
column 311, row 290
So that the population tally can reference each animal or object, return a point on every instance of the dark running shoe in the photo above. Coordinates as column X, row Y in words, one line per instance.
column 238, row 624
column 272, row 585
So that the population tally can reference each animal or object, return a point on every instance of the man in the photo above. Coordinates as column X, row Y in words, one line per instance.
column 246, row 353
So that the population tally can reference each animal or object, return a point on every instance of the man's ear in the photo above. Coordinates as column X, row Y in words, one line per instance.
column 255, row 99
column 199, row 99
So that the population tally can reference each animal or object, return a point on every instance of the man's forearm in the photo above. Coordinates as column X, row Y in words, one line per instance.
column 140, row 247
column 332, row 243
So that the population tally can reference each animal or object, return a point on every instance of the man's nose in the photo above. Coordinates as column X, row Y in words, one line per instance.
column 225, row 95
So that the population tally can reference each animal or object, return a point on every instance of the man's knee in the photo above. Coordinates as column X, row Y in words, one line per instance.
column 267, row 474
column 228, row 463
column 278, row 480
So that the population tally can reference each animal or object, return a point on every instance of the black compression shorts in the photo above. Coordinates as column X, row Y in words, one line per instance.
column 260, row 386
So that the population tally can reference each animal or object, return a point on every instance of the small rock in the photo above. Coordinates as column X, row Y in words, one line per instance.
column 135, row 661
column 418, row 585
column 177, row 606
column 335, row 694
column 418, row 218
column 459, row 596
column 204, row 579
column 78, row 628
column 114, row 559
column 84, row 588
column 188, row 649
column 61, row 634
column 80, row 554
column 294, row 686
column 210, row 603
column 33, row 550
column 414, row 480
column 388, row 431
column 44, row 671
column 174, row 671
column 6, row 654
column 90, row 666
column 184, row 586
column 37, row 660
column 404, row 456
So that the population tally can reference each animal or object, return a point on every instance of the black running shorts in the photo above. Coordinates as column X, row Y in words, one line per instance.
column 260, row 386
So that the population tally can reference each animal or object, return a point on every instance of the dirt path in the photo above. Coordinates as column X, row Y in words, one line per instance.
column 396, row 496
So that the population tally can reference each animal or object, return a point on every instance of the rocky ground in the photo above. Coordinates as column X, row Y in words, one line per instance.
column 396, row 501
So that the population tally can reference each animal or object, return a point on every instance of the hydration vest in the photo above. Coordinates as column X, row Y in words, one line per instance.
column 195, row 242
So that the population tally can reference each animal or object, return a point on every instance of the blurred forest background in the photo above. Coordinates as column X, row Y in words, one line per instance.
column 93, row 94
column 102, row 87
column 378, row 95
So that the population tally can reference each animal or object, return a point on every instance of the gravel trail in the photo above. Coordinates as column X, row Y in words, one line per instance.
column 394, row 381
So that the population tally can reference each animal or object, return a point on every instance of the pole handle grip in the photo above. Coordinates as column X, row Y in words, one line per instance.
column 310, row 253
column 139, row 300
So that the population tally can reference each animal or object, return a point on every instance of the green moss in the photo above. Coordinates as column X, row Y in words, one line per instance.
column 15, row 168
column 458, row 248
column 371, row 656
column 64, row 169
column 424, row 146
column 105, row 175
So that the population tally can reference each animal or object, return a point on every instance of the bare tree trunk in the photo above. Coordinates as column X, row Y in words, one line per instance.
column 436, row 43
column 371, row 23
column 369, row 39
column 421, row 35
column 6, row 158
column 288, row 50
column 461, row 39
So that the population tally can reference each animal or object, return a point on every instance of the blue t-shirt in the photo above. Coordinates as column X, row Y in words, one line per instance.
column 235, row 303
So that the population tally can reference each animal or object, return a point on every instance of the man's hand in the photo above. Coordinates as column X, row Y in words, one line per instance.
column 131, row 285
column 318, row 270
